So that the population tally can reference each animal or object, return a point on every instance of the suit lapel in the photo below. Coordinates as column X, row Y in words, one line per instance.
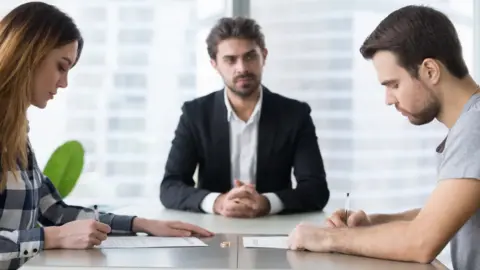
column 220, row 132
column 266, row 134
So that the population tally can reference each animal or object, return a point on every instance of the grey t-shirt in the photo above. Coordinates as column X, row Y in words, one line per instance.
column 459, row 157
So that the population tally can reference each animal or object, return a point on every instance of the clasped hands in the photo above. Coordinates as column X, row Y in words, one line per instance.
column 243, row 201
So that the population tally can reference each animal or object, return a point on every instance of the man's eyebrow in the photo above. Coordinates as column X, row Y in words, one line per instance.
column 250, row 52
column 228, row 56
column 388, row 82
column 234, row 56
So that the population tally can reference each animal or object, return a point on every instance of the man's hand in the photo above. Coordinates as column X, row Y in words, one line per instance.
column 168, row 228
column 79, row 234
column 310, row 237
column 355, row 219
column 242, row 201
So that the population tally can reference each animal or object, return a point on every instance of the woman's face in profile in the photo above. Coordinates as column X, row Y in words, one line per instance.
column 53, row 74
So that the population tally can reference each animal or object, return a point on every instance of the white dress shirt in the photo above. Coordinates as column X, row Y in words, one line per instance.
column 243, row 151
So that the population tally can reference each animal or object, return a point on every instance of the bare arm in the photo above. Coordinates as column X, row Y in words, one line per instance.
column 452, row 203
column 359, row 218
column 409, row 215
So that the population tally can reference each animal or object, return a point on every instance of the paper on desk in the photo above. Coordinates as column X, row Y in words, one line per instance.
column 279, row 242
column 150, row 242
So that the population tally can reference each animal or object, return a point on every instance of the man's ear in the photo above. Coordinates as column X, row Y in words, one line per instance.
column 430, row 71
column 213, row 63
column 264, row 53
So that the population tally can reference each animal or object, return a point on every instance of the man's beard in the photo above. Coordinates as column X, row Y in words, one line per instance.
column 429, row 112
column 426, row 116
column 248, row 88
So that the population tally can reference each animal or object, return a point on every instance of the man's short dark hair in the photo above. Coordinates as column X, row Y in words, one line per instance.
column 237, row 27
column 414, row 33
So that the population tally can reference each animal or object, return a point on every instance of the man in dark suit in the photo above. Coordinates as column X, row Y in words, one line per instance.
column 244, row 139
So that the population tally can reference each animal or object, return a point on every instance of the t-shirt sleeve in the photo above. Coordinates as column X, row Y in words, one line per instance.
column 461, row 156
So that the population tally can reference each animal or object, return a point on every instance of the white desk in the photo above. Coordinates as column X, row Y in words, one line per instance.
column 276, row 224
column 210, row 257
column 214, row 256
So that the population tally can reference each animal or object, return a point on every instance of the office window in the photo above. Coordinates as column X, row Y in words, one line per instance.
column 93, row 14
column 81, row 124
column 123, row 168
column 89, row 146
column 311, row 83
column 329, row 144
column 88, row 80
column 95, row 36
column 130, row 80
column 126, row 124
column 337, row 124
column 325, row 64
column 81, row 102
column 136, row 14
column 139, row 36
column 331, row 104
column 90, row 166
column 130, row 190
column 126, row 146
column 132, row 58
column 315, row 24
column 128, row 102
column 187, row 80
column 309, row 44
column 93, row 58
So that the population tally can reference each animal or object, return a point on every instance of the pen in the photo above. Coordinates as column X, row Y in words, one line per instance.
column 95, row 209
column 347, row 207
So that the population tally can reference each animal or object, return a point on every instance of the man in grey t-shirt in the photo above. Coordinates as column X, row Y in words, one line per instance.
column 418, row 58
column 459, row 158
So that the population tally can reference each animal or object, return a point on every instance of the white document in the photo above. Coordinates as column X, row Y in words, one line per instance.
column 280, row 242
column 150, row 242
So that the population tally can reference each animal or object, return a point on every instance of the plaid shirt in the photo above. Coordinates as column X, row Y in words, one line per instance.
column 31, row 199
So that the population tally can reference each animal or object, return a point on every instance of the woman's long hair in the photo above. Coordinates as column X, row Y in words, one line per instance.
column 27, row 34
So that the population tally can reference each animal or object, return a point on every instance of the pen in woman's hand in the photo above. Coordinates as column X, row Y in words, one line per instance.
column 95, row 209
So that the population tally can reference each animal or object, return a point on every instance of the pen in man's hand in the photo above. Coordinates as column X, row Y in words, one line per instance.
column 347, row 207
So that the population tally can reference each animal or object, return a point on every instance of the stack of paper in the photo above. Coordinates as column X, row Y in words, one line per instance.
column 150, row 242
column 280, row 242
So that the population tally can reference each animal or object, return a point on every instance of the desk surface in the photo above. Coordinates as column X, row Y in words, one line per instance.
column 214, row 256
column 282, row 259
column 274, row 224
column 209, row 257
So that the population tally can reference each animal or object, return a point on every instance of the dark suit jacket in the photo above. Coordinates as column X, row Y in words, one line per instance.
column 286, row 140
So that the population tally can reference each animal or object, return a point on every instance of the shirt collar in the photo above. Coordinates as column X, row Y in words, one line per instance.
column 231, row 113
column 472, row 100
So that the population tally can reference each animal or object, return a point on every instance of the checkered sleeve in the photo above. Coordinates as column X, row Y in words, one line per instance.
column 20, row 243
column 55, row 212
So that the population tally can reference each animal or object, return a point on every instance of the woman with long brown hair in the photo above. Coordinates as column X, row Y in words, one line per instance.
column 39, row 44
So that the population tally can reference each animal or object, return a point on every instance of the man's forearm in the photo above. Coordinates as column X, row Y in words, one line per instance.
column 176, row 194
column 409, row 215
column 391, row 241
